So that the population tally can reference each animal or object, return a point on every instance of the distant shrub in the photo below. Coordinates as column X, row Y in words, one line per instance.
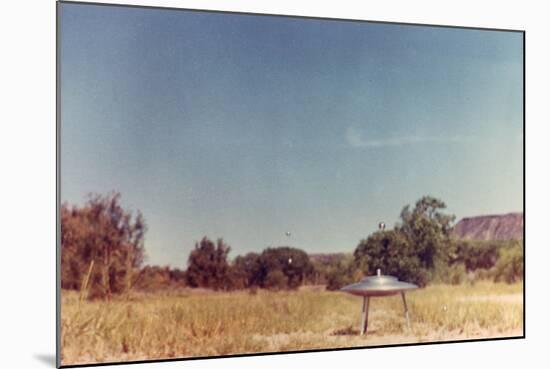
column 247, row 270
column 454, row 274
column 177, row 276
column 154, row 278
column 509, row 267
column 338, row 279
column 484, row 274
column 344, row 272
column 292, row 263
column 325, row 265
column 276, row 280
column 477, row 254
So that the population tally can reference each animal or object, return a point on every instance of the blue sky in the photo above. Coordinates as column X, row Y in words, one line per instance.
column 246, row 127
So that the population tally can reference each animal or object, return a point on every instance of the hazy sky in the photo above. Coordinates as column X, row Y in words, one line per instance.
column 245, row 127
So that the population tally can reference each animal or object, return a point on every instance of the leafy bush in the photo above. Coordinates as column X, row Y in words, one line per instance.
column 391, row 252
column 153, row 278
column 451, row 274
column 477, row 254
column 509, row 267
column 344, row 272
column 276, row 280
column 247, row 270
column 337, row 279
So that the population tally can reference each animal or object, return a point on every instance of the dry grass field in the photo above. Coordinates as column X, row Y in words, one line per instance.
column 191, row 323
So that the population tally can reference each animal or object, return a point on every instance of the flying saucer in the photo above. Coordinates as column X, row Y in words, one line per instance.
column 377, row 286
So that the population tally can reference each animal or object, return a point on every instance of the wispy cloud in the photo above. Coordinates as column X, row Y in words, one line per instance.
column 356, row 139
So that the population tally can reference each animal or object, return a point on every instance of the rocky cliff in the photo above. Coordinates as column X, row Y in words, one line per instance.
column 490, row 227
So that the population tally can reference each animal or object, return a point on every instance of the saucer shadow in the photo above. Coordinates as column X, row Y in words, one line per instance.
column 348, row 331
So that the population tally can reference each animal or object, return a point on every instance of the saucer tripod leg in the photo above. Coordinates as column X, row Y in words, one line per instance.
column 365, row 316
column 406, row 310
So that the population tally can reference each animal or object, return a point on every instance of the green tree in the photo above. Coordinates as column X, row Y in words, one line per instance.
column 207, row 265
column 293, row 263
column 418, row 247
column 247, row 270
column 392, row 253
column 428, row 230
column 102, row 241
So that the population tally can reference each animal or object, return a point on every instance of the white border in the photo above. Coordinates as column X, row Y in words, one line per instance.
column 27, row 162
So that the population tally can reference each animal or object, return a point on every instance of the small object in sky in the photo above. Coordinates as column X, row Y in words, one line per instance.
column 287, row 234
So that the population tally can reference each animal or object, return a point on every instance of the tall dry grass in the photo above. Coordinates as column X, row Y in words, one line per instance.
column 201, row 323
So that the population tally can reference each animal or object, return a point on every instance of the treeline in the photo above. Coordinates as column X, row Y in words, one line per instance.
column 274, row 268
column 103, row 252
